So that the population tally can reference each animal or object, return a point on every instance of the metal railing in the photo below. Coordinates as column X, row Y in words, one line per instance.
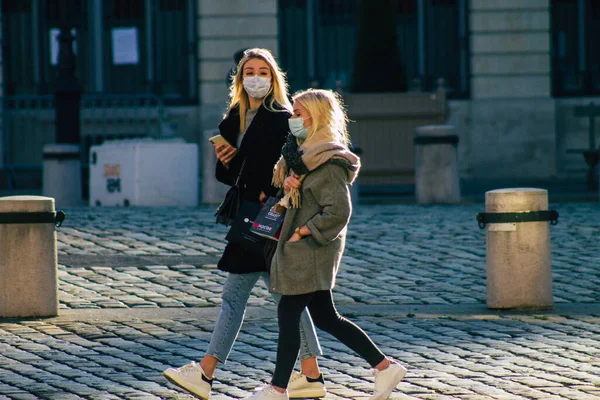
column 28, row 123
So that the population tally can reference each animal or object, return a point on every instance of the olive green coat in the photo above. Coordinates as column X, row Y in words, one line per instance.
column 311, row 264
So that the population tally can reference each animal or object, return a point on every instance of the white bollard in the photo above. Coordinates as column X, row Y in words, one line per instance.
column 28, row 257
column 519, row 271
column 436, row 165
column 62, row 174
column 213, row 191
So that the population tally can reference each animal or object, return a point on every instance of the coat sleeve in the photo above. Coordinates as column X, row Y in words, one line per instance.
column 278, row 135
column 228, row 175
column 334, row 200
column 223, row 174
column 228, row 129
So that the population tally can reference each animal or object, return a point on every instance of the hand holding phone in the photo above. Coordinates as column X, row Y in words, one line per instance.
column 217, row 140
column 223, row 149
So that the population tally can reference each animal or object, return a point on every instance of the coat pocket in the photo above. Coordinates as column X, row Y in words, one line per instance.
column 297, row 266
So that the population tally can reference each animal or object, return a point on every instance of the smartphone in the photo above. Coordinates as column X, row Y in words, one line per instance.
column 218, row 139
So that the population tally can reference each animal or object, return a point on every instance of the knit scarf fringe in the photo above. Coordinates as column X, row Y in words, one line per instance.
column 292, row 198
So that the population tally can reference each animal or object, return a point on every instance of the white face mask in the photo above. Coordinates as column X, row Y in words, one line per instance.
column 256, row 86
column 297, row 127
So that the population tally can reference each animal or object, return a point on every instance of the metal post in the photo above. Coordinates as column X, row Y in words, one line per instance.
column 581, row 35
column 35, row 28
column 62, row 178
column 67, row 96
column 421, row 41
column 310, row 41
column 463, row 37
column 95, row 10
column 591, row 132
column 192, row 48
column 150, row 72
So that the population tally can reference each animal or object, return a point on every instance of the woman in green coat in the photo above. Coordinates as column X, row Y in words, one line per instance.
column 315, row 170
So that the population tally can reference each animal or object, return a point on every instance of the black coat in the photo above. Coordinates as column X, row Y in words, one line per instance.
column 261, row 147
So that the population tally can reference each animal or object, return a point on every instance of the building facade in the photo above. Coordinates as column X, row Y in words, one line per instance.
column 514, row 69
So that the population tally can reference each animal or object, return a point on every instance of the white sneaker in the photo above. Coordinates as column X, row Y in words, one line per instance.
column 269, row 393
column 303, row 387
column 190, row 377
column 387, row 380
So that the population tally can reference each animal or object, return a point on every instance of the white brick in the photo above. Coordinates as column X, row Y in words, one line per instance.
column 223, row 27
column 223, row 49
column 514, row 43
column 489, row 64
column 237, row 7
column 510, row 87
column 508, row 4
column 214, row 70
column 510, row 21
column 213, row 92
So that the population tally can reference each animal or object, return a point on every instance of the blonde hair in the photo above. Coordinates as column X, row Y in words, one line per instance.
column 326, row 109
column 276, row 96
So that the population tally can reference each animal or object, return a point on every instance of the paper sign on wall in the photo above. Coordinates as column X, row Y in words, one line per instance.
column 54, row 44
column 125, row 46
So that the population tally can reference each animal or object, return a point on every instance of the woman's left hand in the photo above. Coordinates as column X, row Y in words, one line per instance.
column 262, row 197
column 295, row 237
column 291, row 182
column 300, row 234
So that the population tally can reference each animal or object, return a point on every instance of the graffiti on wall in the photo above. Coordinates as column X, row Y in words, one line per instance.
column 112, row 173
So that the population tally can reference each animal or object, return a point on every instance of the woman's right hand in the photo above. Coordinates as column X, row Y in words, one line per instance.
column 225, row 153
column 291, row 182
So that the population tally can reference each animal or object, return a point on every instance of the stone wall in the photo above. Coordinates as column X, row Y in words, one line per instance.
column 223, row 28
column 508, row 126
column 573, row 133
column 511, row 127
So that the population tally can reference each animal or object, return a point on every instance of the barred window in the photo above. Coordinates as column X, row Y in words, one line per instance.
column 122, row 46
column 575, row 47
column 318, row 40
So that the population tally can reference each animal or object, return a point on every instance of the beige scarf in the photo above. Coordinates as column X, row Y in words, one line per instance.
column 314, row 152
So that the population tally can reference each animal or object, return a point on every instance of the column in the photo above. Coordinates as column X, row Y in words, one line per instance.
column 512, row 109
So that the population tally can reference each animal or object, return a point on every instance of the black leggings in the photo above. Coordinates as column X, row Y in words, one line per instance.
column 325, row 317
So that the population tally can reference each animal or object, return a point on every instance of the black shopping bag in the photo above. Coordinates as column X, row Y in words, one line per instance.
column 240, row 234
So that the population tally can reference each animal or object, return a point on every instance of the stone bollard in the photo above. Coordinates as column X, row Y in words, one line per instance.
column 28, row 257
column 436, row 165
column 519, row 272
column 213, row 191
column 62, row 174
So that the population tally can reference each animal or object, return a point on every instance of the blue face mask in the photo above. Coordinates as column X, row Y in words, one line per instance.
column 297, row 127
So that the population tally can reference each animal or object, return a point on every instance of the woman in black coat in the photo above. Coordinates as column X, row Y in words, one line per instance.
column 255, row 126
column 261, row 147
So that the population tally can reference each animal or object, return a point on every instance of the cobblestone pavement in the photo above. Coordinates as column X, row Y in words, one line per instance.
column 139, row 291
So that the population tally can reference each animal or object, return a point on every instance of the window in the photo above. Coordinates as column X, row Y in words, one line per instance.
column 125, row 61
column 122, row 46
column 318, row 41
column 28, row 54
column 575, row 47
column 17, row 54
